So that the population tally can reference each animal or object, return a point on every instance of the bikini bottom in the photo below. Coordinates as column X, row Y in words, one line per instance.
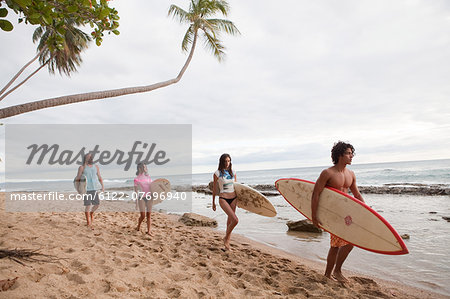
column 229, row 200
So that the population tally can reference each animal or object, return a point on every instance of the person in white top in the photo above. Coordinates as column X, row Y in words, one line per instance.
column 224, row 178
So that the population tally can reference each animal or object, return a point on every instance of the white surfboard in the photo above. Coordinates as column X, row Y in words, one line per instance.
column 250, row 200
column 80, row 185
column 344, row 216
column 159, row 189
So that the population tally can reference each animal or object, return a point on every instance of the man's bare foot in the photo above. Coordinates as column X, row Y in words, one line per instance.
column 226, row 243
column 150, row 233
column 339, row 277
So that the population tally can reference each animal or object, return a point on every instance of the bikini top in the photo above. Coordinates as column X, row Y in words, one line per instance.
column 143, row 182
column 226, row 181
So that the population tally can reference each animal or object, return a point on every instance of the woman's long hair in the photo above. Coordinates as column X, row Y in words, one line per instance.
column 222, row 166
column 87, row 161
column 140, row 168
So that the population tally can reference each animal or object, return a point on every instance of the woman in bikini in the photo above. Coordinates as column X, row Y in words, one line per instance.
column 144, row 202
column 224, row 177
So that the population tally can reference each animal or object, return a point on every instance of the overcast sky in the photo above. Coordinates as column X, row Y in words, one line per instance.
column 302, row 75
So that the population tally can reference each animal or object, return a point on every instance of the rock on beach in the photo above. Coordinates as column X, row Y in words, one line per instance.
column 192, row 219
column 303, row 226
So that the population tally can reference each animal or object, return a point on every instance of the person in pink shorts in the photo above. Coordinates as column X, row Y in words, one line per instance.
column 143, row 199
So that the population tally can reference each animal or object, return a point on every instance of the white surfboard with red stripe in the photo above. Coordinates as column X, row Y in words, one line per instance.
column 344, row 216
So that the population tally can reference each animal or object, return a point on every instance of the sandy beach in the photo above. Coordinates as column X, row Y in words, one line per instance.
column 114, row 260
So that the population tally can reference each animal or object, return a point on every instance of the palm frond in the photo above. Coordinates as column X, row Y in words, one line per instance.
column 37, row 33
column 214, row 44
column 222, row 6
column 211, row 7
column 208, row 27
column 188, row 38
column 224, row 25
column 67, row 56
column 178, row 13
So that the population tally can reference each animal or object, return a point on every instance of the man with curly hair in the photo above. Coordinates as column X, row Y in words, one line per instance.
column 343, row 179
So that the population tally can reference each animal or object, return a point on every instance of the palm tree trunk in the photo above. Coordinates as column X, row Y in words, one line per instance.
column 21, row 71
column 25, row 80
column 71, row 99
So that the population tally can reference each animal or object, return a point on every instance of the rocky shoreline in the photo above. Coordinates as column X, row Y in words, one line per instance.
column 270, row 190
column 401, row 188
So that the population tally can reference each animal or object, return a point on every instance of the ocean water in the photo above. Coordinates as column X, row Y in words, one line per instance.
column 434, row 172
column 426, row 266
column 376, row 174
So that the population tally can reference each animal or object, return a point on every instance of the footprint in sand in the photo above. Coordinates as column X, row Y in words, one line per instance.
column 268, row 280
column 85, row 270
column 117, row 261
column 273, row 272
column 75, row 278
column 70, row 250
column 364, row 281
column 107, row 270
column 126, row 255
column 105, row 285
column 252, row 293
column 298, row 291
column 77, row 264
column 173, row 292
column 99, row 239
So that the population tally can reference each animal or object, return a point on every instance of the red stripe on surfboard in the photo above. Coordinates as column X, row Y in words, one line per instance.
column 404, row 249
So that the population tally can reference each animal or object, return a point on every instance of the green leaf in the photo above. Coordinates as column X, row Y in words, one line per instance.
column 6, row 25
column 47, row 19
column 104, row 13
column 3, row 12
column 72, row 8
column 61, row 30
column 34, row 19
column 23, row 3
column 34, row 16
column 116, row 32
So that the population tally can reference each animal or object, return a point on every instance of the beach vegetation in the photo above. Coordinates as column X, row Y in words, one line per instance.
column 201, row 23
column 60, row 39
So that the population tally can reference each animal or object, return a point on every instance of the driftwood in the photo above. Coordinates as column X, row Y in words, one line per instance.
column 27, row 255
